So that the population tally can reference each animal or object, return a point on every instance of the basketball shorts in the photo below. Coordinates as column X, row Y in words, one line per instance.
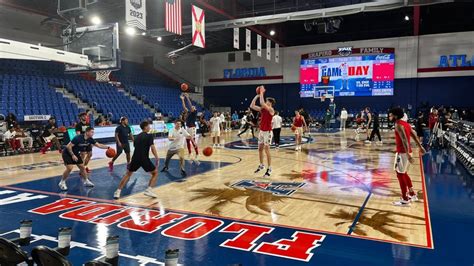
column 67, row 159
column 265, row 137
column 191, row 131
column 136, row 164
column 299, row 131
column 125, row 147
column 216, row 133
column 49, row 138
column 401, row 163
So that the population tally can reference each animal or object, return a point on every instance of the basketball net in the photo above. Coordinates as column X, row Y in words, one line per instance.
column 103, row 75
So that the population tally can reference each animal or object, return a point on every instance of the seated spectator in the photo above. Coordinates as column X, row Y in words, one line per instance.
column 10, row 138
column 49, row 136
column 35, row 133
column 11, row 119
column 23, row 137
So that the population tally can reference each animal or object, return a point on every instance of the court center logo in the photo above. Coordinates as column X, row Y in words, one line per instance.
column 275, row 188
column 137, row 4
column 252, row 144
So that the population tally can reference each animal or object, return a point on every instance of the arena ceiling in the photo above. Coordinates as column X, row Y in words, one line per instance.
column 438, row 18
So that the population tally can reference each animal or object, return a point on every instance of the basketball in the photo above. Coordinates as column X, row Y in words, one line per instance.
column 62, row 129
column 293, row 128
column 110, row 153
column 207, row 151
column 184, row 87
column 258, row 89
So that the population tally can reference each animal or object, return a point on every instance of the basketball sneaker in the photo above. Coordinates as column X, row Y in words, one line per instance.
column 165, row 169
column 413, row 198
column 150, row 193
column 111, row 166
column 62, row 185
column 117, row 194
column 196, row 161
column 268, row 172
column 260, row 168
column 183, row 173
column 402, row 203
column 88, row 183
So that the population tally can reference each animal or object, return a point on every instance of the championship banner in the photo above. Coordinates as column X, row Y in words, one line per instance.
column 259, row 45
column 277, row 53
column 269, row 50
column 248, row 41
column 236, row 38
column 199, row 27
column 135, row 13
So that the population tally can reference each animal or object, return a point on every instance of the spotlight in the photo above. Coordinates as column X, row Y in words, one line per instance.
column 407, row 18
column 272, row 33
column 159, row 39
column 96, row 20
column 143, row 33
column 130, row 31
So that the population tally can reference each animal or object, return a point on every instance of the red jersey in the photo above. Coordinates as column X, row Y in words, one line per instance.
column 398, row 140
column 298, row 121
column 266, row 120
column 432, row 121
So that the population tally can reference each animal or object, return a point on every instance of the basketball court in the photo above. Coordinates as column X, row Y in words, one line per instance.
column 335, row 201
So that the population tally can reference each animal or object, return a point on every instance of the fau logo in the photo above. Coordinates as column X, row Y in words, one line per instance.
column 344, row 51
column 276, row 188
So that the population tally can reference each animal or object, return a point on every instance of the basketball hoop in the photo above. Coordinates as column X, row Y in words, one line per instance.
column 102, row 75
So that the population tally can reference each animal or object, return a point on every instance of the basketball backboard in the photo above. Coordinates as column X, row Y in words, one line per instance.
column 100, row 43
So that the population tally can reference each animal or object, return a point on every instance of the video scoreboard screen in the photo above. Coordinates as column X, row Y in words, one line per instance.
column 351, row 71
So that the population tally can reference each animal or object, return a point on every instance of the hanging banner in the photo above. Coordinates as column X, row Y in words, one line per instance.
column 199, row 27
column 248, row 41
column 236, row 38
column 269, row 50
column 259, row 45
column 135, row 13
column 277, row 53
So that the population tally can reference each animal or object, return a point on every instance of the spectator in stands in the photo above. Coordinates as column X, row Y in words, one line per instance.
column 420, row 124
column 455, row 115
column 35, row 133
column 11, row 119
column 235, row 116
column 89, row 118
column 433, row 119
column 49, row 136
column 343, row 118
column 10, row 138
column 100, row 121
column 23, row 137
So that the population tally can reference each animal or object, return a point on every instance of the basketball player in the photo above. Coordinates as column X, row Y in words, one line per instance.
column 215, row 122
column 247, row 122
column 190, row 118
column 123, row 134
column 300, row 125
column 403, row 157
column 375, row 128
column 80, row 129
column 72, row 156
column 344, row 76
column 177, row 138
column 368, row 114
column 140, row 159
column 265, row 133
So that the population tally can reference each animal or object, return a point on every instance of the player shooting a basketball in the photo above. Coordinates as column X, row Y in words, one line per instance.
column 190, row 117
column 265, row 134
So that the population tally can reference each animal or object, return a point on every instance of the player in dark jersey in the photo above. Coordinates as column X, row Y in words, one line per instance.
column 403, row 157
column 72, row 156
column 140, row 159
column 266, row 133
column 190, row 122
column 81, row 127
column 123, row 134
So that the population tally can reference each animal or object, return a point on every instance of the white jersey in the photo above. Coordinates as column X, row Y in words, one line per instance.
column 276, row 121
column 215, row 123
column 343, row 114
column 179, row 137
column 344, row 70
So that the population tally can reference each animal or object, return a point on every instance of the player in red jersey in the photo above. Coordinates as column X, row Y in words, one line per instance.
column 299, row 124
column 265, row 134
column 403, row 157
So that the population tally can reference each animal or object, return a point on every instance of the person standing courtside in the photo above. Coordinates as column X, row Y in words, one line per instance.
column 403, row 157
column 123, row 133
column 265, row 133
column 343, row 119
column 276, row 126
column 140, row 159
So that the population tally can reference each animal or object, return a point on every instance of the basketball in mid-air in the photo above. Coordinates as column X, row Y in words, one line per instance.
column 207, row 151
column 259, row 88
column 62, row 129
column 110, row 153
column 184, row 87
